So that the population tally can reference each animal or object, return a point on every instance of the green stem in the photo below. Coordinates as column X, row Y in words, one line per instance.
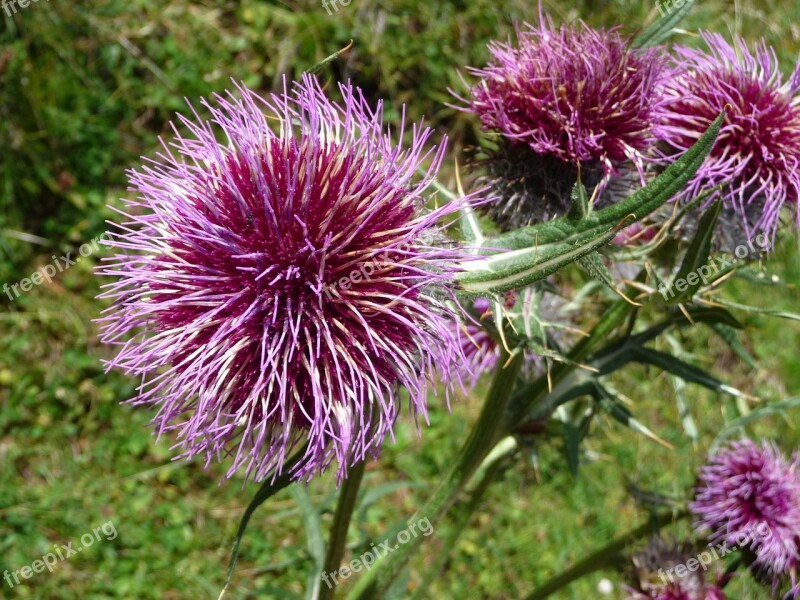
column 602, row 557
column 491, row 469
column 485, row 434
column 268, row 489
column 341, row 523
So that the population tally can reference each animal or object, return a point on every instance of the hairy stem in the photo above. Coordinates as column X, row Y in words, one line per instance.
column 341, row 523
column 485, row 434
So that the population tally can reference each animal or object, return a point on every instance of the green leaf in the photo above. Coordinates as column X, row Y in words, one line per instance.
column 689, row 426
column 579, row 209
column 619, row 412
column 661, row 29
column 520, row 268
column 594, row 265
column 782, row 314
column 696, row 258
column 538, row 251
column 268, row 489
column 767, row 410
column 731, row 338
column 326, row 61
column 711, row 315
column 639, row 204
column 684, row 370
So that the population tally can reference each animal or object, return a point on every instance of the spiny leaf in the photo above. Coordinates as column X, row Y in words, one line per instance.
column 543, row 249
column 325, row 61
column 619, row 412
column 639, row 204
column 673, row 12
column 773, row 408
column 696, row 258
column 731, row 338
column 579, row 209
column 593, row 264
column 520, row 268
column 689, row 426
column 684, row 370
column 782, row 314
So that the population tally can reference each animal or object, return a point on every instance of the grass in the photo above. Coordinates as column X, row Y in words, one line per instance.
column 85, row 91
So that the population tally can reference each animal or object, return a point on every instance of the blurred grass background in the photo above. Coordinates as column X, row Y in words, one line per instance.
column 85, row 90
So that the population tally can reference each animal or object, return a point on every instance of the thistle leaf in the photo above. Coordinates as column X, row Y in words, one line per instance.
column 662, row 28
column 738, row 424
column 697, row 254
column 731, row 338
column 639, row 204
column 538, row 251
column 684, row 370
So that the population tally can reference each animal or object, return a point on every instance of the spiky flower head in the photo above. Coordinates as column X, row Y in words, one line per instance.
column 654, row 572
column 749, row 497
column 564, row 99
column 757, row 154
column 280, row 285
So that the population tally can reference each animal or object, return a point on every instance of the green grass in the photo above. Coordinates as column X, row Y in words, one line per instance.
column 85, row 91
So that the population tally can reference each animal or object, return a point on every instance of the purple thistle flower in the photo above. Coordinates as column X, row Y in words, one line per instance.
column 757, row 153
column 564, row 99
column 750, row 496
column 281, row 286
column 654, row 571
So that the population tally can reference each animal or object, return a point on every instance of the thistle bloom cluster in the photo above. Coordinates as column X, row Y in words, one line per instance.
column 280, row 286
column 743, row 487
column 757, row 154
column 576, row 96
column 565, row 99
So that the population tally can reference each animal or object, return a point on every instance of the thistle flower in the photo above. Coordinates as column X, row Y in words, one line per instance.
column 653, row 570
column 749, row 496
column 757, row 153
column 566, row 101
column 283, row 285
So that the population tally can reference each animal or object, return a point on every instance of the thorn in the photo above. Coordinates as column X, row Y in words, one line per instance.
column 549, row 377
column 624, row 297
column 459, row 187
column 512, row 354
column 686, row 313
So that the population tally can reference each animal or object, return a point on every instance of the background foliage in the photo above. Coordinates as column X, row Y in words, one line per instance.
column 84, row 91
